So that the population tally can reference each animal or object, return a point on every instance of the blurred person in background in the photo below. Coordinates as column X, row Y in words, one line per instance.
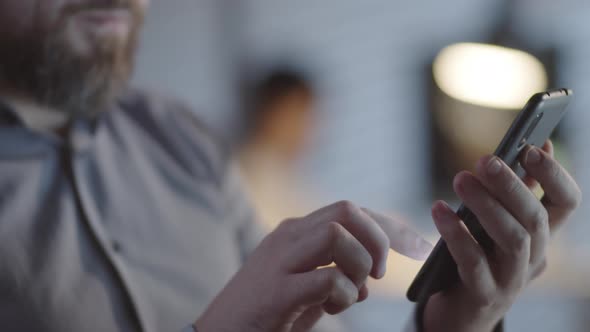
column 119, row 211
column 279, row 112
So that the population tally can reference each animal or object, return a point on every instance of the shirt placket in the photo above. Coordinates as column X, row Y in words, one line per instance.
column 77, row 155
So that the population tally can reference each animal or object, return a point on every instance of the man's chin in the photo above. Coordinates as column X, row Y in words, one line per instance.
column 87, row 79
column 79, row 66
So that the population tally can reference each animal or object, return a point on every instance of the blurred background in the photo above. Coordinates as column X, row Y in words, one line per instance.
column 381, row 102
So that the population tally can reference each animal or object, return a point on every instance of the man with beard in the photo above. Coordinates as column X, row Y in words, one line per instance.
column 120, row 212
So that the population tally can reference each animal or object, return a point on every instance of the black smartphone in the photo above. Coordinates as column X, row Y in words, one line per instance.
column 532, row 126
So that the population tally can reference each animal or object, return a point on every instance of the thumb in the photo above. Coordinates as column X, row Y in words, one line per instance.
column 308, row 319
column 402, row 238
column 327, row 287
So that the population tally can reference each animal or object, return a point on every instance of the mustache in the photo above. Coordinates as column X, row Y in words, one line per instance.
column 98, row 5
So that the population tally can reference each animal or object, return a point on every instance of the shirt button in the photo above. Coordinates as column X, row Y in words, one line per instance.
column 117, row 247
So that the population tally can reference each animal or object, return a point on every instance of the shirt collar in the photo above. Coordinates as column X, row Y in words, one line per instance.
column 79, row 139
column 8, row 116
column 36, row 118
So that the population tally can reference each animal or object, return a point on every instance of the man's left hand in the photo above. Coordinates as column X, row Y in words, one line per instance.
column 520, row 226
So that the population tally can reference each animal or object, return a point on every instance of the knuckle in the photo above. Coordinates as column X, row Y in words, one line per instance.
column 363, row 261
column 487, row 295
column 575, row 199
column 541, row 268
column 335, row 232
column 553, row 168
column 476, row 265
column 511, row 284
column 332, row 281
column 287, row 229
column 489, row 204
column 520, row 243
column 512, row 185
column 487, row 298
column 365, row 265
column 287, row 224
column 517, row 284
column 353, row 295
column 346, row 208
column 350, row 298
column 339, row 283
column 328, row 284
column 539, row 222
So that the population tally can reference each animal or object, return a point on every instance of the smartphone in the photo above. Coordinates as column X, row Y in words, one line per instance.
column 532, row 126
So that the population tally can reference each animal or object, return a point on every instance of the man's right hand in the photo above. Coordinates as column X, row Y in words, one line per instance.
column 308, row 266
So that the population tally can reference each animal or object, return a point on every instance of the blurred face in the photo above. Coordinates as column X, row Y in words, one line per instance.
column 289, row 123
column 71, row 55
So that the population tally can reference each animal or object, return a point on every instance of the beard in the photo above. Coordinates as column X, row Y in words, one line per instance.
column 44, row 65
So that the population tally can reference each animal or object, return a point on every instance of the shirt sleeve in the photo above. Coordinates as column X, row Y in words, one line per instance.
column 215, row 157
column 249, row 231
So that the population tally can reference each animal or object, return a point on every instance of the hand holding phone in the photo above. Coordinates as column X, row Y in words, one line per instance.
column 495, row 243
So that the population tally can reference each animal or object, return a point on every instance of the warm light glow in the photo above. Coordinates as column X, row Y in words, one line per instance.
column 488, row 75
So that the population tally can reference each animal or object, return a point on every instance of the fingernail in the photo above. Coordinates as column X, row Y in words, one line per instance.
column 441, row 216
column 423, row 246
column 494, row 166
column 458, row 184
column 533, row 156
column 441, row 210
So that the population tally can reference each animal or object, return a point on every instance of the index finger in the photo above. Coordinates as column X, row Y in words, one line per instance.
column 366, row 230
column 402, row 238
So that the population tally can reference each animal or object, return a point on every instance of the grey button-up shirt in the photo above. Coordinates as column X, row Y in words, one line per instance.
column 132, row 224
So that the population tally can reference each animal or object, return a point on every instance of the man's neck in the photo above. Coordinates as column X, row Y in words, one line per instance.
column 36, row 117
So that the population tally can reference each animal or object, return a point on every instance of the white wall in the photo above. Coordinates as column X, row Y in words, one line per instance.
column 184, row 53
column 371, row 141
